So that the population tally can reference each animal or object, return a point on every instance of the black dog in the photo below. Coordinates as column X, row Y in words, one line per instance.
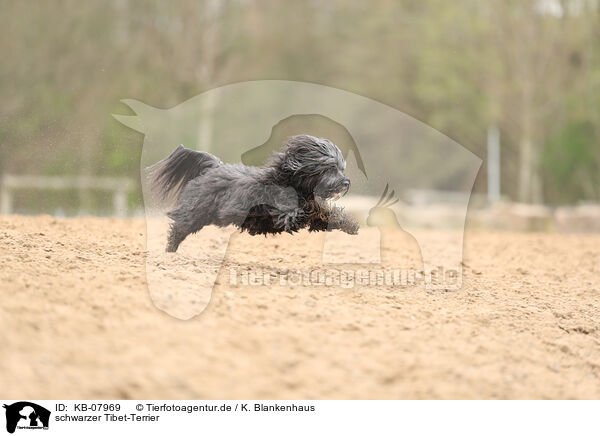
column 286, row 195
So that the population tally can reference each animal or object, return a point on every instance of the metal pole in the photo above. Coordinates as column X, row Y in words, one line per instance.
column 6, row 200
column 120, row 203
column 493, row 164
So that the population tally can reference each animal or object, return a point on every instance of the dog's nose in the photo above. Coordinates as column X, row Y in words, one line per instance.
column 346, row 183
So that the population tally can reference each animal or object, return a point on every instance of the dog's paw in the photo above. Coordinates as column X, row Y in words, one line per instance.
column 352, row 231
column 350, row 226
column 291, row 222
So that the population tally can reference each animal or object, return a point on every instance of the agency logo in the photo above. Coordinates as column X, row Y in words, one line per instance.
column 409, row 191
column 24, row 415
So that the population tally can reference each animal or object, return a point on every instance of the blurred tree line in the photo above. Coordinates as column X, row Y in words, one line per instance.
column 531, row 68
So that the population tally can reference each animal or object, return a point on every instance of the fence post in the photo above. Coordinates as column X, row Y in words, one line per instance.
column 5, row 200
column 120, row 203
column 493, row 164
column 6, row 204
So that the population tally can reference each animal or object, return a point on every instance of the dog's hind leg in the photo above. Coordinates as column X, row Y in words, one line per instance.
column 178, row 232
column 186, row 219
column 176, row 236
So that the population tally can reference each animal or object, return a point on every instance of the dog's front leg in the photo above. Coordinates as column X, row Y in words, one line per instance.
column 334, row 218
column 290, row 220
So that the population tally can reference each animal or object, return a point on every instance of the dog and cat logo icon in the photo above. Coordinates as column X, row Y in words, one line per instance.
column 386, row 151
column 26, row 415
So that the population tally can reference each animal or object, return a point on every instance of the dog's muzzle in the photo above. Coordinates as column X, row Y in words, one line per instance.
column 343, row 190
column 345, row 186
column 335, row 190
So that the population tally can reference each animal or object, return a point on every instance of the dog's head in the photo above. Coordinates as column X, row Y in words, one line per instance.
column 313, row 166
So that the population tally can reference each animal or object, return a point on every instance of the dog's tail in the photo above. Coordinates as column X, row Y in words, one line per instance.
column 170, row 175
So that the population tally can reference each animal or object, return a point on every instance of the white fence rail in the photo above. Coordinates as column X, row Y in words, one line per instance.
column 120, row 187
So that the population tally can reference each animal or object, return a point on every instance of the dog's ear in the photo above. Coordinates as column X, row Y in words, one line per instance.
column 276, row 160
column 284, row 162
column 290, row 163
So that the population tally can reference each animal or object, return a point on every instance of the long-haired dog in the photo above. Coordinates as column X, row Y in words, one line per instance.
column 286, row 195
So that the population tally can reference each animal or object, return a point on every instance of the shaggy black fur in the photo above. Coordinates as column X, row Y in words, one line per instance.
column 286, row 195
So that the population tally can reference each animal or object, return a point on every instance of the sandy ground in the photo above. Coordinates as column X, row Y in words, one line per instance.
column 77, row 321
